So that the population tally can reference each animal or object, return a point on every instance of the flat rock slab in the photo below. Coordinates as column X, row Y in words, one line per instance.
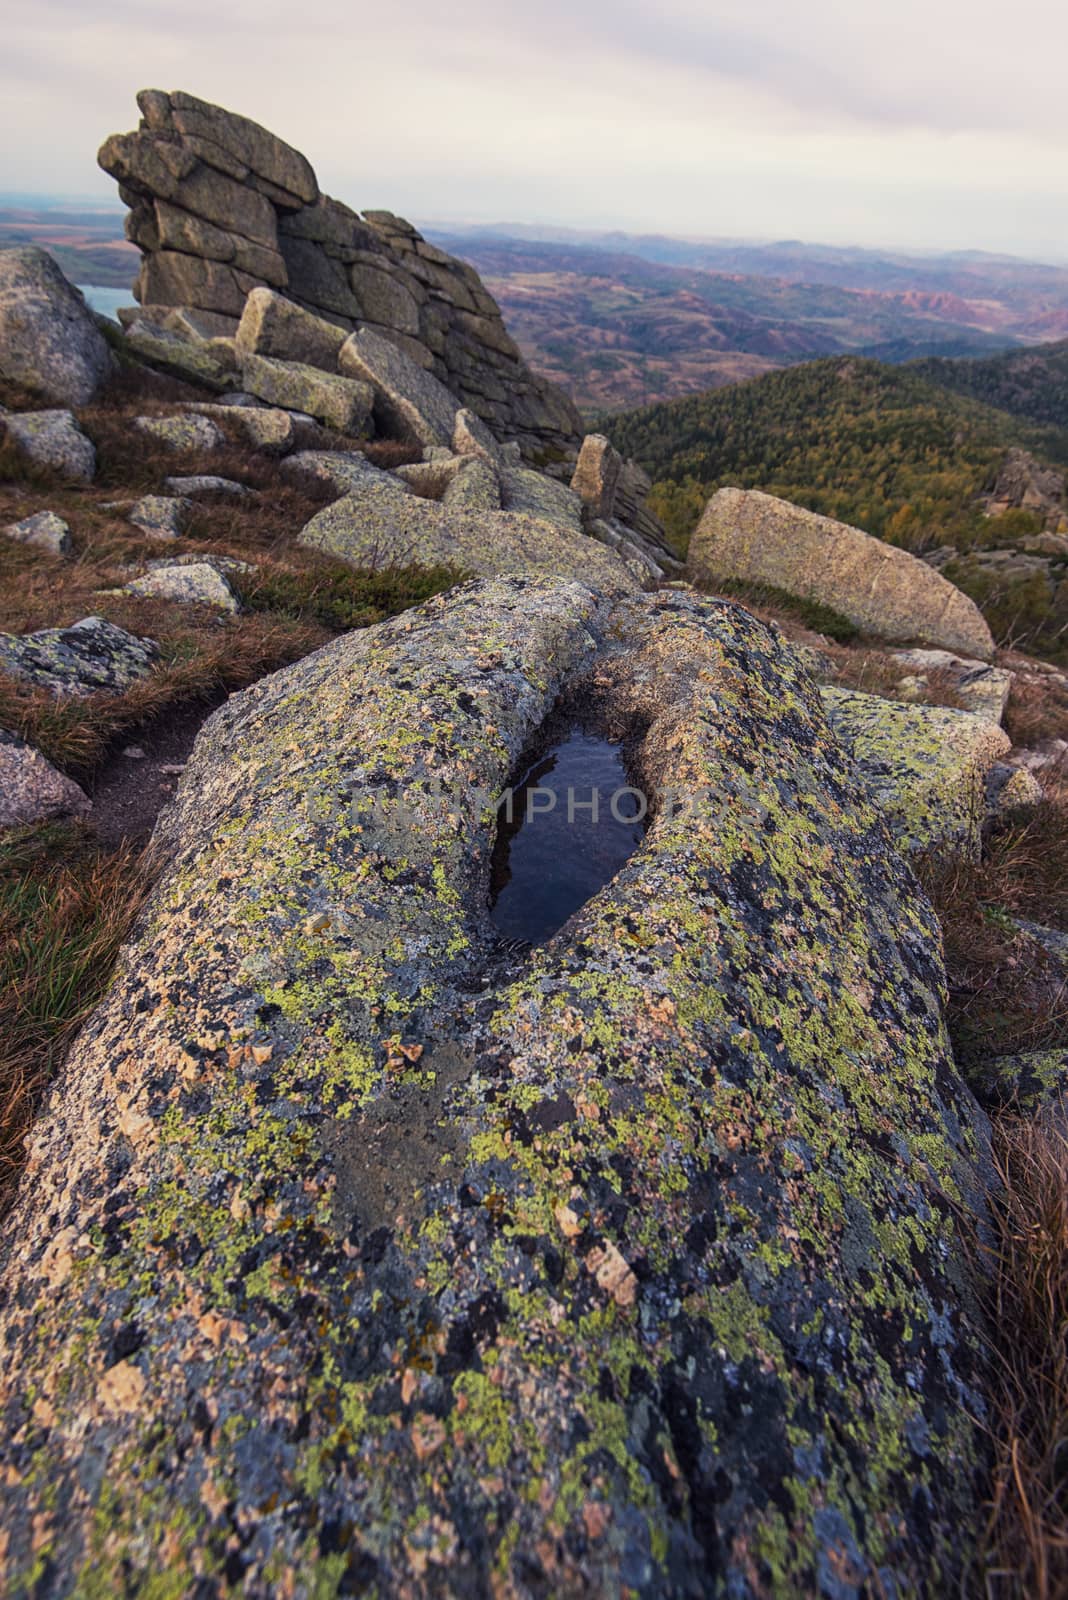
column 344, row 472
column 194, row 360
column 182, row 433
column 634, row 1268
column 92, row 656
column 45, row 530
column 49, row 341
column 409, row 403
column 884, row 591
column 197, row 583
column 31, row 790
column 523, row 489
column 374, row 528
column 925, row 766
column 341, row 402
column 53, row 442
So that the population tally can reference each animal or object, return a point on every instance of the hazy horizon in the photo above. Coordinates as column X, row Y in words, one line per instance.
column 926, row 126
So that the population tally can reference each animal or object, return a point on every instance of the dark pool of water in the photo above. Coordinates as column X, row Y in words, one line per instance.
column 555, row 854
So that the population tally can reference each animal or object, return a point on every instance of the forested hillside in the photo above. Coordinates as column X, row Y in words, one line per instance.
column 1029, row 383
column 876, row 446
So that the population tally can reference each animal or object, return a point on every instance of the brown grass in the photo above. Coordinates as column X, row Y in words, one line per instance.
column 66, row 906
column 1037, row 708
column 1027, row 1534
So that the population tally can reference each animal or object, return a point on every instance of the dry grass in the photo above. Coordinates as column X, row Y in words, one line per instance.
column 65, row 907
column 1027, row 1535
column 1037, row 708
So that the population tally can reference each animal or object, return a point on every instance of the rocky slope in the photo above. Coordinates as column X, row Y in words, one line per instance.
column 358, row 1248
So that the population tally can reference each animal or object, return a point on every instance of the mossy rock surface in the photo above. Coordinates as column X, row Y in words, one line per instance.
column 925, row 766
column 350, row 1260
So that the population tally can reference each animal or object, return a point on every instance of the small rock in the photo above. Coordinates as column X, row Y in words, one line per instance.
column 133, row 752
column 1010, row 791
column 266, row 428
column 31, row 790
column 197, row 584
column 472, row 437
column 162, row 516
column 197, row 361
column 182, row 433
column 204, row 483
column 596, row 475
column 45, row 530
column 53, row 441
column 172, row 769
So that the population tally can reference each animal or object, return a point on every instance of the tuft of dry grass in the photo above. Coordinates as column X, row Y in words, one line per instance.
column 66, row 905
column 1026, row 1539
column 1037, row 708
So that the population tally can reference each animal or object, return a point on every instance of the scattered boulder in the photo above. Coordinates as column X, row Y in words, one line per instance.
column 341, row 402
column 476, row 487
column 183, row 434
column 671, row 1218
column 205, row 483
column 372, row 528
column 756, row 538
column 596, row 475
column 44, row 530
column 1011, row 791
column 924, row 766
column 266, row 428
column 162, row 516
column 471, row 437
column 342, row 471
column 52, row 442
column 198, row 583
column 409, row 403
column 31, row 790
column 49, row 340
column 271, row 325
column 977, row 685
column 92, row 656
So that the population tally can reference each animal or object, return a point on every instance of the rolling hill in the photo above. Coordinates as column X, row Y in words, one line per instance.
column 1031, row 383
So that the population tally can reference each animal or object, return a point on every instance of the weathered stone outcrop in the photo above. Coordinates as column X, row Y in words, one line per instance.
column 221, row 207
column 49, row 341
column 925, row 766
column 342, row 1264
column 44, row 530
column 756, row 538
column 52, row 442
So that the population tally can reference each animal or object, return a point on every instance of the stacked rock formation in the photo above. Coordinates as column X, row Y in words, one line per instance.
column 220, row 207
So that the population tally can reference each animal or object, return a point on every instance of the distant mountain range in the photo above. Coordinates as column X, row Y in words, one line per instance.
column 624, row 319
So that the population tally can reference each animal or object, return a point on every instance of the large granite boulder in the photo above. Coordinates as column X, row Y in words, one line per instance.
column 271, row 325
column 343, row 403
column 925, row 767
column 410, row 404
column 350, row 1260
column 222, row 209
column 756, row 538
column 49, row 341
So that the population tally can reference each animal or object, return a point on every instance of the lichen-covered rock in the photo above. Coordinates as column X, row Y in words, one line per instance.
column 471, row 437
column 1028, row 1084
column 49, row 341
column 373, row 528
column 53, row 442
column 31, row 790
column 348, row 1260
column 596, row 475
column 267, row 428
column 757, row 538
column 1011, row 791
column 182, row 433
column 271, row 325
column 44, row 529
column 90, row 656
column 344, row 472
column 476, row 487
column 211, row 363
column 341, row 402
column 978, row 686
column 409, row 404
column 925, row 766
column 162, row 516
column 197, row 583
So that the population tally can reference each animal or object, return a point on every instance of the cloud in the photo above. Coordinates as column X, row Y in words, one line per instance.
column 922, row 121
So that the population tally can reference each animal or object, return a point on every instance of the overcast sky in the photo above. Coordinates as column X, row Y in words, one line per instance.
column 913, row 123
